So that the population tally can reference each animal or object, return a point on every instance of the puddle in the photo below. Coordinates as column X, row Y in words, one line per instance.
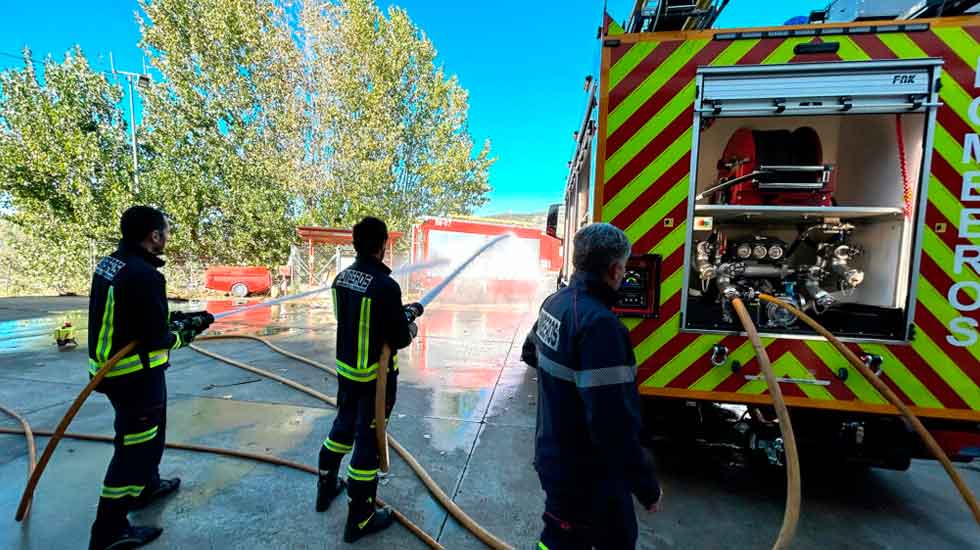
column 253, row 427
column 38, row 332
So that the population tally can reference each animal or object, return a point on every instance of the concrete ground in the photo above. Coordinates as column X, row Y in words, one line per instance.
column 466, row 409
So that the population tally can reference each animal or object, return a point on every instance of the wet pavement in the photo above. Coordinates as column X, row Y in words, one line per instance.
column 466, row 410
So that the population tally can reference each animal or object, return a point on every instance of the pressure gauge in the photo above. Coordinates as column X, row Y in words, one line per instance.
column 776, row 252
column 743, row 251
column 759, row 252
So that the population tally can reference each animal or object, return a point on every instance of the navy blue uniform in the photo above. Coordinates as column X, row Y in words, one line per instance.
column 369, row 311
column 587, row 451
column 129, row 302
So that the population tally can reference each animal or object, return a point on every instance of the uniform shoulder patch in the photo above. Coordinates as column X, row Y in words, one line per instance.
column 109, row 267
column 548, row 330
column 354, row 280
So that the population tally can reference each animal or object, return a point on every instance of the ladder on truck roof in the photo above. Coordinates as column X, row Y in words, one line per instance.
column 674, row 15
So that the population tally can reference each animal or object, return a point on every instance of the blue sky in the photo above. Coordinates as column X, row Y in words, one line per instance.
column 524, row 64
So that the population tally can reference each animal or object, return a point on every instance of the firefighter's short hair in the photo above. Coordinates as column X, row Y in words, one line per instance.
column 370, row 236
column 597, row 246
column 138, row 222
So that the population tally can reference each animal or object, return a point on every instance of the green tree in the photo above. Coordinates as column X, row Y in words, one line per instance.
column 223, row 127
column 254, row 123
column 64, row 168
column 387, row 131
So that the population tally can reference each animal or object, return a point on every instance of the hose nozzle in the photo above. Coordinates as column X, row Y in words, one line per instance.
column 198, row 321
column 413, row 311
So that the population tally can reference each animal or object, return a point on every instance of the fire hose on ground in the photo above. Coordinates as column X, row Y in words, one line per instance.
column 25, row 499
column 384, row 439
column 884, row 390
column 31, row 449
column 485, row 536
column 269, row 459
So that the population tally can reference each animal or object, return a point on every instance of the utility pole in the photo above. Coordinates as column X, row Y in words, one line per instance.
column 141, row 80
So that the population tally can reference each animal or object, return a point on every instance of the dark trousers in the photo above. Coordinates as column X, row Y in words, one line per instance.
column 353, row 430
column 584, row 518
column 140, row 404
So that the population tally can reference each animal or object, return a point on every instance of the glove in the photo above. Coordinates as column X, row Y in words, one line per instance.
column 413, row 311
column 185, row 336
column 413, row 329
column 187, row 326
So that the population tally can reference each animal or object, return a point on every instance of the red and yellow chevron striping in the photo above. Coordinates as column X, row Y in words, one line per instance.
column 646, row 127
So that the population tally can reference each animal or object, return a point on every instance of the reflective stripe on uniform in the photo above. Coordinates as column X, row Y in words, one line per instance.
column 357, row 375
column 365, row 522
column 337, row 447
column 541, row 546
column 106, row 330
column 131, row 363
column 605, row 376
column 142, row 437
column 361, row 475
column 336, row 315
column 120, row 492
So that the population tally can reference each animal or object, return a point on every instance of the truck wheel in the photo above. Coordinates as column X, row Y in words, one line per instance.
column 239, row 290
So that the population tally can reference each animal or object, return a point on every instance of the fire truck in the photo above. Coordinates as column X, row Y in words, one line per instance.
column 833, row 163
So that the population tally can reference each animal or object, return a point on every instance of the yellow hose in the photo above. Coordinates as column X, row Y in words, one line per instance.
column 882, row 388
column 381, row 408
column 269, row 459
column 791, row 514
column 454, row 510
column 31, row 449
column 25, row 498
column 264, row 373
column 316, row 364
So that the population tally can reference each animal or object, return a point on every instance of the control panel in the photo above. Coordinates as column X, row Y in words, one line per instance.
column 639, row 295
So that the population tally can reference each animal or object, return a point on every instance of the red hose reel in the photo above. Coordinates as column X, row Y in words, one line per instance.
column 774, row 167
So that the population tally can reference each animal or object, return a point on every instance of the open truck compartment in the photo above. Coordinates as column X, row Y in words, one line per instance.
column 808, row 186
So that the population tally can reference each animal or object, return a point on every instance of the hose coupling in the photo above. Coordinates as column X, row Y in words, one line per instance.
column 719, row 355
column 873, row 362
column 729, row 291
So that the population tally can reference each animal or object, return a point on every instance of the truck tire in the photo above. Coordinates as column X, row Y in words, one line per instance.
column 239, row 290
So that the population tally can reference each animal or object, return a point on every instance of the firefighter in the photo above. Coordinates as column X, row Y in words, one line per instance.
column 369, row 311
column 129, row 303
column 587, row 451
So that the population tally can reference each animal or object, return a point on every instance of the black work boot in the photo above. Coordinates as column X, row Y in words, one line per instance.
column 155, row 493
column 363, row 518
column 131, row 536
column 327, row 489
